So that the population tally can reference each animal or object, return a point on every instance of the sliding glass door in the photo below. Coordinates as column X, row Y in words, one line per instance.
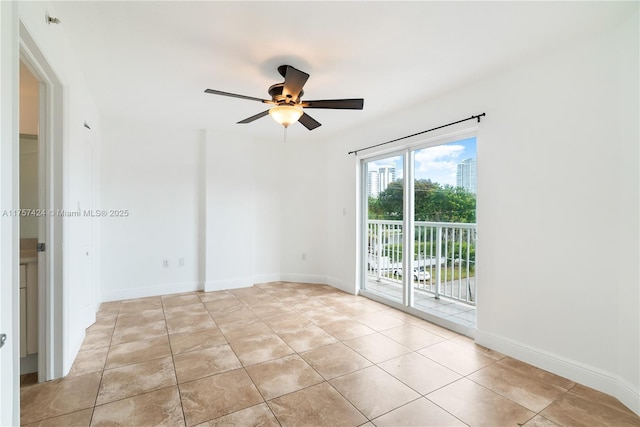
column 384, row 192
column 419, row 227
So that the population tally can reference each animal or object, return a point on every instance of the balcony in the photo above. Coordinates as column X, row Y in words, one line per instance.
column 442, row 272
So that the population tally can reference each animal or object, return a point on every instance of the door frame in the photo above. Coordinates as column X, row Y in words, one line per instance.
column 407, row 154
column 50, row 302
column 9, row 226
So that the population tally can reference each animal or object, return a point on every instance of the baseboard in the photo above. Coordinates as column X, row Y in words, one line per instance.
column 209, row 286
column 150, row 291
column 628, row 395
column 73, row 349
column 348, row 287
column 221, row 285
column 319, row 279
column 590, row 376
column 303, row 278
column 266, row 278
column 29, row 364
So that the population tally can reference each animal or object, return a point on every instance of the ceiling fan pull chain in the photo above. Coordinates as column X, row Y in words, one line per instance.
column 285, row 135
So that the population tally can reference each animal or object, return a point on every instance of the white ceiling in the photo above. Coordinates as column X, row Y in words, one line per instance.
column 150, row 61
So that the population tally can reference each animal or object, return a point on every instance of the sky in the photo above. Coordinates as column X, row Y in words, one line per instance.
column 437, row 163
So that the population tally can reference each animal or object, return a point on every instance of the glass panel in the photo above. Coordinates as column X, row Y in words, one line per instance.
column 384, row 188
column 445, row 182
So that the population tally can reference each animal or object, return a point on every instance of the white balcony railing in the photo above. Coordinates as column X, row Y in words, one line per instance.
column 444, row 257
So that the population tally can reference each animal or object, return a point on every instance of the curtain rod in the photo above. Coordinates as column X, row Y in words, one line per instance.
column 419, row 133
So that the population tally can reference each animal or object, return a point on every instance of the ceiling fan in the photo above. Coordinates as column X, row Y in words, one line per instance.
column 285, row 98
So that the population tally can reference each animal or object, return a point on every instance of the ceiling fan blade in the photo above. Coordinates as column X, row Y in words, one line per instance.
column 235, row 95
column 337, row 104
column 294, row 80
column 256, row 117
column 308, row 121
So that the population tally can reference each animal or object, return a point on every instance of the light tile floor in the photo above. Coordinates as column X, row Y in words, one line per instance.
column 295, row 354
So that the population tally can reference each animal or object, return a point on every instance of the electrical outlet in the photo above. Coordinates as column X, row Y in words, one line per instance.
column 165, row 263
column 181, row 262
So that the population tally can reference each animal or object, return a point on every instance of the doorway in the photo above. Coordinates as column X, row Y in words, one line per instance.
column 419, row 230
column 30, row 209
column 43, row 129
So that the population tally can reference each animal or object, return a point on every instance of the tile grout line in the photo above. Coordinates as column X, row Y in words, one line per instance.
column 126, row 365
column 243, row 368
column 324, row 380
column 380, row 332
column 173, row 362
column 328, row 381
column 294, row 352
column 93, row 409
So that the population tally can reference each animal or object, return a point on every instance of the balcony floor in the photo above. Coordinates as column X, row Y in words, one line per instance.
column 456, row 312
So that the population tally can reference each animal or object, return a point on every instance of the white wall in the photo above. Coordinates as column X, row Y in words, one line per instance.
column 239, row 212
column 29, row 118
column 342, row 212
column 152, row 173
column 627, row 247
column 231, row 212
column 29, row 101
column 303, row 211
column 265, row 209
column 28, row 185
column 557, row 207
column 74, row 292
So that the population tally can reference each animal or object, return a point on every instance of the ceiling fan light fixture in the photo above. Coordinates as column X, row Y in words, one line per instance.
column 286, row 114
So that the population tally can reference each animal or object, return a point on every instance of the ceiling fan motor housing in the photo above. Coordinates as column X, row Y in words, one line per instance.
column 275, row 91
